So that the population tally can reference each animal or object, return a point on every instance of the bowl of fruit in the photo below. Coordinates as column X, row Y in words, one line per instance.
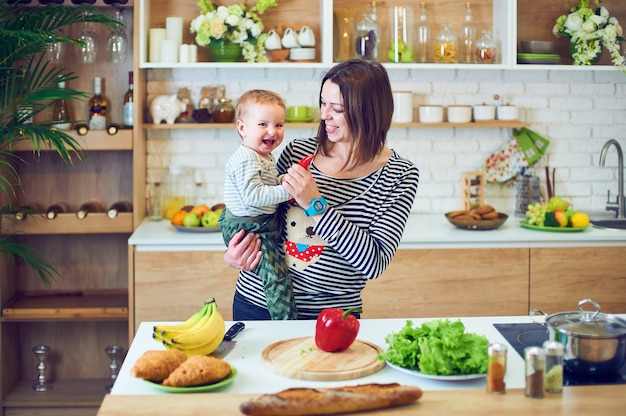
column 198, row 218
column 556, row 215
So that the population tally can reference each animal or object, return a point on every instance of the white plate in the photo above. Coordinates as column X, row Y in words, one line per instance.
column 433, row 377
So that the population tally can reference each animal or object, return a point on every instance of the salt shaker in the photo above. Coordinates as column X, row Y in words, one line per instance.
column 535, row 366
column 553, row 378
column 497, row 368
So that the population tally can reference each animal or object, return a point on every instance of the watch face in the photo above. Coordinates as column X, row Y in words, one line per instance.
column 318, row 206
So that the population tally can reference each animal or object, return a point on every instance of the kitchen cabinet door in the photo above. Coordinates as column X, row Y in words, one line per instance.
column 560, row 277
column 450, row 282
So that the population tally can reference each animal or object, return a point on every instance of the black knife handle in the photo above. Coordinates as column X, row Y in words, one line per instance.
column 234, row 330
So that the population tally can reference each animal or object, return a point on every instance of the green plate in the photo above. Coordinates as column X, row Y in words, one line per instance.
column 197, row 389
column 525, row 224
column 298, row 119
column 531, row 56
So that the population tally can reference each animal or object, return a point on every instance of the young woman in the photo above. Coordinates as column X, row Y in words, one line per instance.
column 356, row 194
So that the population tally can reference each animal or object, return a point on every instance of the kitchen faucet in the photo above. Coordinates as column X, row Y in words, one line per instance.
column 619, row 206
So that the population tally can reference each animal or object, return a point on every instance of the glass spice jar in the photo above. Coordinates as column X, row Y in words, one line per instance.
column 535, row 360
column 446, row 46
column 224, row 111
column 553, row 378
column 486, row 49
column 496, row 369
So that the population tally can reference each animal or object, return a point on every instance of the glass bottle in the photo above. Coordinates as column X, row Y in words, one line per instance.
column 496, row 370
column 468, row 36
column 129, row 105
column 446, row 45
column 535, row 359
column 97, row 107
column 123, row 205
column 486, row 49
column 344, row 40
column 93, row 205
column 553, row 377
column 367, row 36
column 423, row 39
column 401, row 45
column 61, row 112
column 57, row 208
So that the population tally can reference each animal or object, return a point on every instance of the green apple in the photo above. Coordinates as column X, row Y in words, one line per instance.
column 407, row 56
column 211, row 218
column 557, row 203
column 191, row 220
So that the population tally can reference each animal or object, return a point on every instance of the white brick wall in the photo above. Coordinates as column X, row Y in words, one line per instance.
column 577, row 110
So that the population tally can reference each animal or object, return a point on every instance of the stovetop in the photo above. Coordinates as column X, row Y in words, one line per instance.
column 521, row 336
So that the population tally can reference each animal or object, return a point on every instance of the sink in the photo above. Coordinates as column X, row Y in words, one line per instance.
column 619, row 223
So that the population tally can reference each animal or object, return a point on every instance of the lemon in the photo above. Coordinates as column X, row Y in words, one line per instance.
column 579, row 220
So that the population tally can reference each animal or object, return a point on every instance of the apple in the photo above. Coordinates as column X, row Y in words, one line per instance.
column 191, row 220
column 211, row 218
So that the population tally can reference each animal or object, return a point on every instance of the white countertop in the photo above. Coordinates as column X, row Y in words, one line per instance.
column 254, row 377
column 422, row 231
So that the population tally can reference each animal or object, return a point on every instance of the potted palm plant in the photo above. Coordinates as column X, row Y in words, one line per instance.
column 28, row 85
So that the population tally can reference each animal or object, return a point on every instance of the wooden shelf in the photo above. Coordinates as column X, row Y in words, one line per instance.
column 87, row 304
column 64, row 393
column 93, row 141
column 476, row 124
column 94, row 223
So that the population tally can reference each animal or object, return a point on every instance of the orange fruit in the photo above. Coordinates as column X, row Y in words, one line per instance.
column 178, row 217
column 201, row 209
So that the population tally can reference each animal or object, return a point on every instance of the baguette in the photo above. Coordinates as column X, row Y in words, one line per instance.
column 330, row 401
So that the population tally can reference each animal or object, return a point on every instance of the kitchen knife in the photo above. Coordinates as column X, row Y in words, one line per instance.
column 228, row 343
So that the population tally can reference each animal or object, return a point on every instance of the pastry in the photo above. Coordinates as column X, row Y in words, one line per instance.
column 156, row 365
column 198, row 370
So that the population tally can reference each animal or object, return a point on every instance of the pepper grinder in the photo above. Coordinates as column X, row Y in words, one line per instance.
column 41, row 352
column 116, row 354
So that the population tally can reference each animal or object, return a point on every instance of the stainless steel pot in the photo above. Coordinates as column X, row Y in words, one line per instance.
column 595, row 342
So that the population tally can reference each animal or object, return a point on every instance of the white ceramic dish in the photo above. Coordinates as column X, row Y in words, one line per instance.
column 431, row 114
column 507, row 112
column 484, row 112
column 302, row 54
column 459, row 114
column 434, row 377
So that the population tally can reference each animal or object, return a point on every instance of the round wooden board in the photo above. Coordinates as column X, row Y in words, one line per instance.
column 300, row 358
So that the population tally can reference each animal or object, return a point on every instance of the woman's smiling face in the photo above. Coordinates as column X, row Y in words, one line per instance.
column 332, row 112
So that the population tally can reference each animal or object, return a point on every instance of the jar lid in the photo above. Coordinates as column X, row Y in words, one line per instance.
column 584, row 323
column 553, row 348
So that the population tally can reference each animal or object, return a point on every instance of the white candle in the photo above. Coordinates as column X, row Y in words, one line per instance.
column 193, row 53
column 169, row 51
column 156, row 37
column 174, row 28
column 402, row 107
column 183, row 56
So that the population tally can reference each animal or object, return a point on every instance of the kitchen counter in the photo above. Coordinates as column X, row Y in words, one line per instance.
column 422, row 231
column 131, row 396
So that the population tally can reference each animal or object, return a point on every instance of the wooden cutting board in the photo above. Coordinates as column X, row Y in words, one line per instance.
column 300, row 358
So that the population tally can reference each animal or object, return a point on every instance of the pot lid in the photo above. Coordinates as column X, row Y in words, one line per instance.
column 588, row 323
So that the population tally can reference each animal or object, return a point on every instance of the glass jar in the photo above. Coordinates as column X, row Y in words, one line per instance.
column 486, row 49
column 553, row 378
column 535, row 360
column 367, row 36
column 177, row 190
column 446, row 46
column 224, row 111
column 401, row 24
column 496, row 370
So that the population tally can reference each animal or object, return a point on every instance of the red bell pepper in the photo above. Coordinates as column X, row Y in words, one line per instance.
column 336, row 329
column 304, row 162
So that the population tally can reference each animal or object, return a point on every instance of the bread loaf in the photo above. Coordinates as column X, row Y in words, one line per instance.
column 330, row 401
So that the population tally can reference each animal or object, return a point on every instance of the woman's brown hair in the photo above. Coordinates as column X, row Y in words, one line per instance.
column 368, row 107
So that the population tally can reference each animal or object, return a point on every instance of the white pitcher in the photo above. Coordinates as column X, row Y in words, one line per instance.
column 306, row 37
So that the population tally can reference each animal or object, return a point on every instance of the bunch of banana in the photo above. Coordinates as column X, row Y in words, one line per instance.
column 201, row 334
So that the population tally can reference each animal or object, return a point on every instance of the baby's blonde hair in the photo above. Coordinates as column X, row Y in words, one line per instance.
column 257, row 97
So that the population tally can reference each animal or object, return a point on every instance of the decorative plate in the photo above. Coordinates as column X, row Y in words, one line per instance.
column 525, row 224
column 416, row 373
column 197, row 389
column 478, row 225
column 197, row 229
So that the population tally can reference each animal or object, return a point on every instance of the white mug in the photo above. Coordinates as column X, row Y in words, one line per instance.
column 290, row 38
column 306, row 37
column 273, row 41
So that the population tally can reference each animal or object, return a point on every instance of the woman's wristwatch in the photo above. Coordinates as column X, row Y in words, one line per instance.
column 318, row 206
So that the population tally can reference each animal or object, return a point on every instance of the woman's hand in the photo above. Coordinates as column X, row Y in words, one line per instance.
column 244, row 251
column 299, row 182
